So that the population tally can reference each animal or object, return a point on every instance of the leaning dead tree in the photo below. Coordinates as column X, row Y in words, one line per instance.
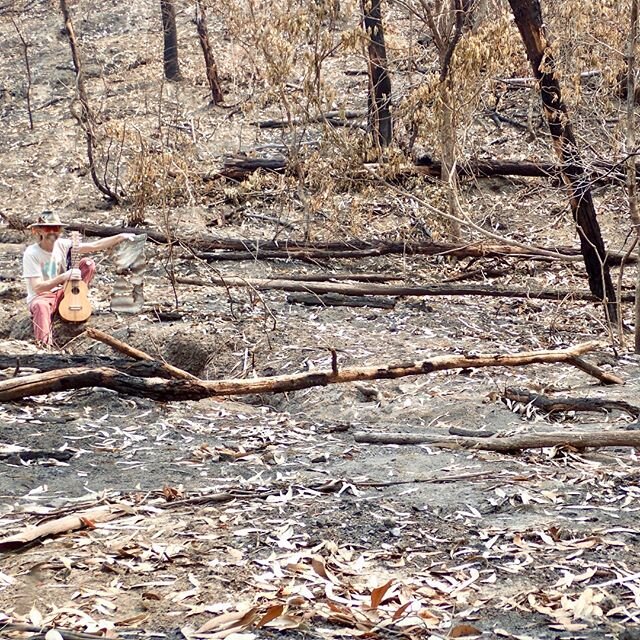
column 209, row 61
column 170, row 36
column 182, row 389
column 85, row 116
column 380, row 124
column 528, row 17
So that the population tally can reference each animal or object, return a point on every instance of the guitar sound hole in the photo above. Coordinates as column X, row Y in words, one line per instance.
column 75, row 291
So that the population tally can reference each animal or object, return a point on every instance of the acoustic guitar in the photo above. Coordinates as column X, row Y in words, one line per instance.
column 75, row 305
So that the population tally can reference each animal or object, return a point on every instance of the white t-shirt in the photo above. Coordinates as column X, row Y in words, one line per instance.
column 38, row 263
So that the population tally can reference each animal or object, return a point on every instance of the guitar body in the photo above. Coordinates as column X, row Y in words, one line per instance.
column 75, row 305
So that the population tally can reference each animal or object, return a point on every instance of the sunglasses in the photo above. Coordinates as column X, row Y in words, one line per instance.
column 47, row 230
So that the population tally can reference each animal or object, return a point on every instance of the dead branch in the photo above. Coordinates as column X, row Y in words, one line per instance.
column 331, row 117
column 337, row 277
column 481, row 273
column 263, row 284
column 531, row 82
column 556, row 405
column 82, row 520
column 339, row 300
column 211, row 67
column 25, row 51
column 132, row 352
column 576, row 440
column 604, row 376
column 168, row 390
column 40, row 631
column 86, row 118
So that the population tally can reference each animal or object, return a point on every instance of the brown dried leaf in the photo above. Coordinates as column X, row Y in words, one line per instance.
column 464, row 630
column 319, row 568
column 378, row 593
column 272, row 613
column 233, row 619
column 400, row 610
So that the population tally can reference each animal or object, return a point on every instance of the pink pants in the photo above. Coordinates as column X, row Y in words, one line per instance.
column 44, row 306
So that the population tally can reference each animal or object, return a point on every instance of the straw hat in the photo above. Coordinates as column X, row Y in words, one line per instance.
column 47, row 219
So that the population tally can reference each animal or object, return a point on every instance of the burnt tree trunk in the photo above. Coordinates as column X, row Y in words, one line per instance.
column 209, row 60
column 380, row 124
column 170, row 34
column 528, row 17
column 632, row 187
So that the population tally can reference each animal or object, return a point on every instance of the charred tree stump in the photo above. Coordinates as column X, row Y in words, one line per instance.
column 528, row 17
column 170, row 35
column 380, row 124
column 209, row 60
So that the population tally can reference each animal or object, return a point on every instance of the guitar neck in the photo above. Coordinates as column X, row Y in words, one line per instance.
column 75, row 249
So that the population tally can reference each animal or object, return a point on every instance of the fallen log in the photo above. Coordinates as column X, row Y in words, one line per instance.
column 531, row 82
column 21, row 456
column 488, row 168
column 137, row 354
column 335, row 118
column 470, row 433
column 355, row 248
column 340, row 300
column 51, row 362
column 265, row 284
column 575, row 440
column 557, row 405
column 168, row 390
column 338, row 277
column 479, row 274
column 241, row 167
